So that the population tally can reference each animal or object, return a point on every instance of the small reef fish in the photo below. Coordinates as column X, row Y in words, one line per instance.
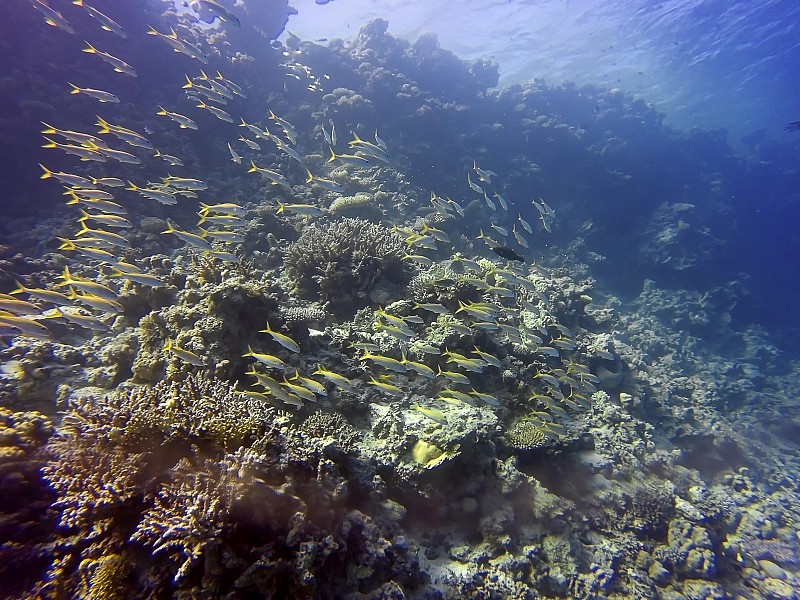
column 108, row 181
column 128, row 136
column 112, row 238
column 179, row 45
column 307, row 210
column 185, row 183
column 488, row 358
column 110, row 220
column 119, row 65
column 222, row 255
column 80, row 317
column 419, row 368
column 525, row 225
column 326, row 184
column 368, row 148
column 26, row 327
column 224, row 220
column 96, row 302
column 487, row 398
column 73, row 136
column 518, row 236
column 219, row 10
column 386, row 362
column 217, row 112
column 386, row 387
column 484, row 176
column 16, row 306
column 257, row 131
column 434, row 415
column 211, row 94
column 274, row 177
column 100, row 95
column 349, row 159
column 224, row 235
column 66, row 178
column 311, row 385
column 474, row 186
column 92, row 252
column 193, row 239
column 299, row 390
column 225, row 208
column 507, row 253
column 106, row 23
column 231, row 85
column 82, row 151
column 118, row 155
column 282, row 339
column 51, row 296
column 86, row 285
column 500, row 230
column 173, row 161
column 288, row 129
column 219, row 88
column 502, row 201
column 250, row 143
column 184, row 354
column 164, row 197
column 182, row 121
column 52, row 17
column 140, row 278
column 265, row 359
column 336, row 379
column 234, row 157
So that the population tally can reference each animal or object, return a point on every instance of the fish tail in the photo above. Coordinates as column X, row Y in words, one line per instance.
column 48, row 128
column 19, row 289
column 50, row 143
column 47, row 172
column 103, row 124
column 152, row 30
column 162, row 110
column 132, row 187
column 253, row 167
column 89, row 48
column 333, row 155
column 77, row 2
column 75, row 88
column 281, row 206
column 188, row 83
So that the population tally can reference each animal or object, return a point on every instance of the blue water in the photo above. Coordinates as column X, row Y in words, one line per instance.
column 720, row 75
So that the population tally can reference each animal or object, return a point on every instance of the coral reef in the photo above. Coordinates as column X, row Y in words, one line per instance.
column 342, row 262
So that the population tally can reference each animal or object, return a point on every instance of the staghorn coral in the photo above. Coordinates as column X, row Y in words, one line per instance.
column 341, row 262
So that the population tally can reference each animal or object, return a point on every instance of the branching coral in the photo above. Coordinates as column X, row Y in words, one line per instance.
column 191, row 486
column 342, row 261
